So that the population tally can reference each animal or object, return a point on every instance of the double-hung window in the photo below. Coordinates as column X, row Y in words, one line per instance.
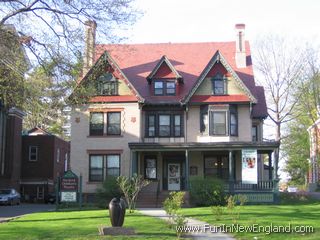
column 218, row 121
column 164, row 125
column 113, row 123
column 158, row 88
column 233, row 120
column 219, row 85
column 96, row 123
column 177, row 126
column 164, row 87
column 170, row 88
column 103, row 166
column 96, row 168
column 33, row 153
column 221, row 121
column 151, row 125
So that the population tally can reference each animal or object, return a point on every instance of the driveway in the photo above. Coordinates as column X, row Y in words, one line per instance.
column 7, row 212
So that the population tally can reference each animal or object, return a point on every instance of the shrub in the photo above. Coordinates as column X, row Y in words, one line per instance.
column 207, row 191
column 295, row 198
column 107, row 191
column 217, row 212
column 173, row 203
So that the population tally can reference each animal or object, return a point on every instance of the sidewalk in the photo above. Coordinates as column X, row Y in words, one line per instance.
column 201, row 234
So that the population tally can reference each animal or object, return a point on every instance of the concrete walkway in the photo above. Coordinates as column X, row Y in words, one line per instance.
column 203, row 232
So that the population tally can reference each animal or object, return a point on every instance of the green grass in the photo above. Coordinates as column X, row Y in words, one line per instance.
column 295, row 214
column 81, row 225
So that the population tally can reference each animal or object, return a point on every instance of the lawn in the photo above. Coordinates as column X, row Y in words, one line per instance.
column 81, row 225
column 301, row 214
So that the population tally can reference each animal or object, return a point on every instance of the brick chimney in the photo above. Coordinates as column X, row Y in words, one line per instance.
column 240, row 57
column 89, row 51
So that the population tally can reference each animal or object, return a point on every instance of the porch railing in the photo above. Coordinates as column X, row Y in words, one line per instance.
column 260, row 186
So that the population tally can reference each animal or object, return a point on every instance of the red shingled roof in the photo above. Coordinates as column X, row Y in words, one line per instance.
column 189, row 59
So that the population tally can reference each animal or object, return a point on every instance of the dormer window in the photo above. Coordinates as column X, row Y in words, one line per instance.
column 108, row 84
column 164, row 87
column 158, row 87
column 219, row 85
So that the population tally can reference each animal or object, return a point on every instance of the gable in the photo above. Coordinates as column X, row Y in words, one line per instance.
column 164, row 69
column 104, row 65
column 205, row 88
column 210, row 69
column 164, row 72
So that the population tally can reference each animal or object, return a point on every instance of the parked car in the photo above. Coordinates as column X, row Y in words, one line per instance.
column 50, row 198
column 9, row 196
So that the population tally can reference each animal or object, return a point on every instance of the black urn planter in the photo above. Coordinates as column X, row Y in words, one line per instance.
column 117, row 211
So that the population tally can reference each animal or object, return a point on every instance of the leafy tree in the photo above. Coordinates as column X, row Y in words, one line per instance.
column 55, row 27
column 296, row 145
column 44, row 96
column 296, row 149
column 13, row 66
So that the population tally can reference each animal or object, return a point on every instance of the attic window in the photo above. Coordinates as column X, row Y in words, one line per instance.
column 219, row 85
column 164, row 87
column 107, row 84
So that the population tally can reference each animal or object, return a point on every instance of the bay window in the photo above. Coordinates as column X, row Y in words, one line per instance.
column 164, row 124
column 219, row 120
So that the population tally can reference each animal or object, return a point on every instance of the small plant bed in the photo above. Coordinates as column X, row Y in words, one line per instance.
column 307, row 214
column 81, row 225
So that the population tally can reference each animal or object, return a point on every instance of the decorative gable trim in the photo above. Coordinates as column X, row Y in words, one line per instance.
column 217, row 57
column 165, row 60
column 100, row 64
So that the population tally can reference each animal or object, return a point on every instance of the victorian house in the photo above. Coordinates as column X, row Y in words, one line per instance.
column 171, row 111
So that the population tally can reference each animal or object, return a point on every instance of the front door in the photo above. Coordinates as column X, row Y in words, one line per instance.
column 174, row 176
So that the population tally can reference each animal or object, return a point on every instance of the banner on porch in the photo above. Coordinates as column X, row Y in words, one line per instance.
column 249, row 166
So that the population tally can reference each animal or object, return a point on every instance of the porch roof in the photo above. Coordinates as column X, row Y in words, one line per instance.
column 262, row 147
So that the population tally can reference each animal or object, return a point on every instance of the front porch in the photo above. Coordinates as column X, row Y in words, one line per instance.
column 170, row 166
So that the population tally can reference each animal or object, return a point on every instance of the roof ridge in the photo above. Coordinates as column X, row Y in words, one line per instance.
column 167, row 43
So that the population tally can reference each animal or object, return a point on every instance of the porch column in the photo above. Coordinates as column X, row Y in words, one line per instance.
column 275, row 177
column 187, row 170
column 270, row 165
column 231, row 174
column 133, row 163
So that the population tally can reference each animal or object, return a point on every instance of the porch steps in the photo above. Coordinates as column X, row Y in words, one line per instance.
column 147, row 197
column 153, row 200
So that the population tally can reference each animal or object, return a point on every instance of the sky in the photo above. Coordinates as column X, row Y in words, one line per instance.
column 212, row 20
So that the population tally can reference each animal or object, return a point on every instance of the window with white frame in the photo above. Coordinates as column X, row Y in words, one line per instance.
column 219, row 120
column 33, row 153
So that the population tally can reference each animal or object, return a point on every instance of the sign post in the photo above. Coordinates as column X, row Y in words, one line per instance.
column 69, row 187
